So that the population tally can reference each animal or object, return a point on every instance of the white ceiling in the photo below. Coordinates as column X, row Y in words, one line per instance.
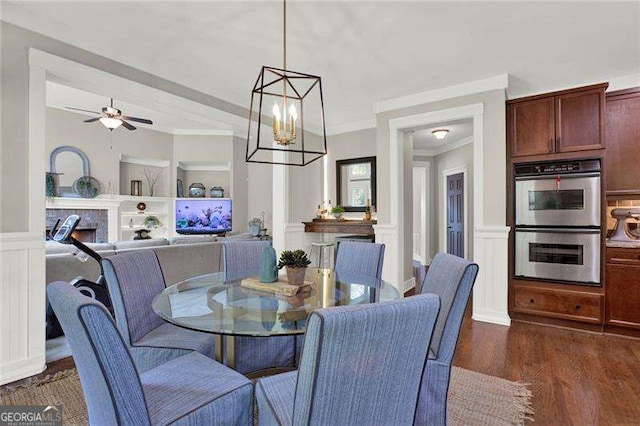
column 423, row 139
column 364, row 51
column 61, row 97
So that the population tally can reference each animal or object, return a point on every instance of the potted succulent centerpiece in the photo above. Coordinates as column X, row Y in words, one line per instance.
column 338, row 212
column 296, row 262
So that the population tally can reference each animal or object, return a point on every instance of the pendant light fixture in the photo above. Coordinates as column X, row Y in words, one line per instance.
column 294, row 134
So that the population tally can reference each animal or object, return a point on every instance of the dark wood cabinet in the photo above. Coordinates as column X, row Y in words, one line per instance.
column 622, row 140
column 580, row 120
column 567, row 121
column 531, row 127
column 622, row 274
column 573, row 305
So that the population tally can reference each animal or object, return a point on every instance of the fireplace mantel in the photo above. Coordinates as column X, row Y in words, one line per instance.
column 111, row 205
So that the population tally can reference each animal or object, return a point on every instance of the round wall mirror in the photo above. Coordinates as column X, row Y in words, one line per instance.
column 71, row 163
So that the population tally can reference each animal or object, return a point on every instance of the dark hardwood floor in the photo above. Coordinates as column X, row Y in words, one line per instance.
column 577, row 377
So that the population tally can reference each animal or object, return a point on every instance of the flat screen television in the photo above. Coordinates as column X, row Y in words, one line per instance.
column 203, row 215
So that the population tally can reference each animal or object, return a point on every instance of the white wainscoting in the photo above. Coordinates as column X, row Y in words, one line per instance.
column 22, row 305
column 388, row 235
column 490, row 293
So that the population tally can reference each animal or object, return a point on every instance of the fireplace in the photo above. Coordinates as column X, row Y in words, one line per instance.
column 93, row 226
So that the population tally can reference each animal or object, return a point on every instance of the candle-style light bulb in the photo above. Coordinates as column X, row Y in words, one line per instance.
column 292, row 112
column 276, row 119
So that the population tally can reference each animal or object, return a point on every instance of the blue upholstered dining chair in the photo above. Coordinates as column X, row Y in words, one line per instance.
column 242, row 260
column 451, row 278
column 191, row 389
column 361, row 364
column 360, row 258
column 134, row 279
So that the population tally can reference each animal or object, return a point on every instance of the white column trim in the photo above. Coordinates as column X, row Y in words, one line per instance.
column 425, row 219
column 280, row 202
column 491, row 295
column 396, row 169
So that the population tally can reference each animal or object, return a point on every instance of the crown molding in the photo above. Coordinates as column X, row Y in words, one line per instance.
column 353, row 126
column 494, row 83
column 625, row 82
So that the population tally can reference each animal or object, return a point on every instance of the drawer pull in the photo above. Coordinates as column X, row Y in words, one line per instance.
column 531, row 301
column 577, row 307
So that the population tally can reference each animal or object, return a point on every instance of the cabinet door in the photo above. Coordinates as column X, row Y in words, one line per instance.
column 623, row 295
column 580, row 120
column 622, row 141
column 531, row 127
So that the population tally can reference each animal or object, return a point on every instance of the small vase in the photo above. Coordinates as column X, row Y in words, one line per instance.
column 197, row 190
column 295, row 276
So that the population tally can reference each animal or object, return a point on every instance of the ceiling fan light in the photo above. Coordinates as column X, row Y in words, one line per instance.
column 440, row 133
column 110, row 122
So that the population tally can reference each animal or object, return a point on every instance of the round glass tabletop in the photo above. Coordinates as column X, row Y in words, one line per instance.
column 207, row 303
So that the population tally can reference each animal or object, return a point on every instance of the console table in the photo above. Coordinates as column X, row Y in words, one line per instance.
column 356, row 227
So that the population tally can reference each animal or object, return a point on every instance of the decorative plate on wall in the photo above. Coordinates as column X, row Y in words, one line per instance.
column 87, row 187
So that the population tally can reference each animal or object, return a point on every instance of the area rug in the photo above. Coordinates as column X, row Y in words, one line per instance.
column 474, row 398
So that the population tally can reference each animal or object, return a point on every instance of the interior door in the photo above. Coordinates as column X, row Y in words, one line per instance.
column 455, row 214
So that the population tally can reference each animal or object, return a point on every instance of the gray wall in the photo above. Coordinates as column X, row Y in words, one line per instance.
column 344, row 146
column 259, row 192
column 305, row 191
column 67, row 128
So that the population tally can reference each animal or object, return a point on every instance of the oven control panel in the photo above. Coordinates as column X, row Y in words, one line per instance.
column 555, row 168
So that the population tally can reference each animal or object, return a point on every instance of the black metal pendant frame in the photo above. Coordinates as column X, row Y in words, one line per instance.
column 290, row 80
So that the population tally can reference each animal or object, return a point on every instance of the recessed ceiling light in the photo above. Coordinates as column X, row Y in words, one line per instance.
column 440, row 133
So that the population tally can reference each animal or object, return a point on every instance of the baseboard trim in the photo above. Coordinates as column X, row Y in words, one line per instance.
column 492, row 317
column 409, row 284
column 23, row 368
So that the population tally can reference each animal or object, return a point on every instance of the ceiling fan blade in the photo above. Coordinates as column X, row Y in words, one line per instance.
column 127, row 125
column 85, row 110
column 91, row 120
column 139, row 120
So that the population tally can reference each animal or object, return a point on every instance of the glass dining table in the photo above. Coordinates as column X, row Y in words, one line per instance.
column 207, row 303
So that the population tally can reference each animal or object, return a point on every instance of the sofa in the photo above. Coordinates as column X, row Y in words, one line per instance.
column 180, row 257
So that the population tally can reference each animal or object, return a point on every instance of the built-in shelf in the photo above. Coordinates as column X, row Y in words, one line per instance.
column 144, row 213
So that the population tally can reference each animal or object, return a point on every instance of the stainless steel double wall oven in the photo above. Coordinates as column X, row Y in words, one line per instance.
column 557, row 221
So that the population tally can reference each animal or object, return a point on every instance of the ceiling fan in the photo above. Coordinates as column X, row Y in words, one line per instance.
column 112, row 118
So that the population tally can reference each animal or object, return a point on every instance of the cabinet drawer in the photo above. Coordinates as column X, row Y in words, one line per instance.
column 626, row 256
column 560, row 304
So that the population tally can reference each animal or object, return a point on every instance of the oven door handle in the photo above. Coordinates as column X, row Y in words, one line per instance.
column 561, row 175
column 560, row 230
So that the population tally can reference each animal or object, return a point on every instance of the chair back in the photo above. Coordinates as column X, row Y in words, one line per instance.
column 134, row 279
column 362, row 364
column 360, row 258
column 109, row 379
column 242, row 258
column 450, row 277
